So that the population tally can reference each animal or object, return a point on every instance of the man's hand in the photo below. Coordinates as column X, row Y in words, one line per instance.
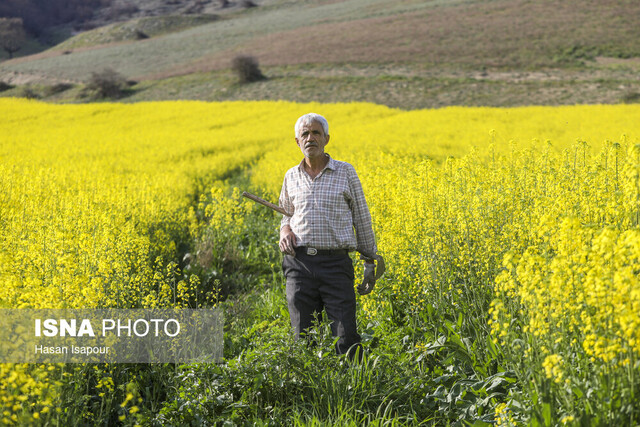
column 287, row 241
column 369, row 281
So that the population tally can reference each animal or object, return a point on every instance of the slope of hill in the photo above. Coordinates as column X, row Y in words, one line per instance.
column 135, row 29
column 407, row 54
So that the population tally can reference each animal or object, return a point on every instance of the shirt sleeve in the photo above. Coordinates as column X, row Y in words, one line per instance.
column 366, row 242
column 285, row 202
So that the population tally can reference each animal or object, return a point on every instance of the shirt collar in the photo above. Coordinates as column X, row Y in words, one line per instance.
column 332, row 164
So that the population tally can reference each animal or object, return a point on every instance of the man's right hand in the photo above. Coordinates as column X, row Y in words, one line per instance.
column 287, row 241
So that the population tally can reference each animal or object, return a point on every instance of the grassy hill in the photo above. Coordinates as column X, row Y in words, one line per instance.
column 134, row 30
column 403, row 53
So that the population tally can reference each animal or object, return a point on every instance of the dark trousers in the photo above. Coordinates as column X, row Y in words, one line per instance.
column 318, row 281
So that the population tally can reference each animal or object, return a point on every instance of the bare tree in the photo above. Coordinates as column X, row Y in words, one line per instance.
column 12, row 35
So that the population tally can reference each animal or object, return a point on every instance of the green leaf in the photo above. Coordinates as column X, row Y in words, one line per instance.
column 546, row 413
column 577, row 391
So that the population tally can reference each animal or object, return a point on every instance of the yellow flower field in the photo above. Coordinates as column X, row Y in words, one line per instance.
column 533, row 210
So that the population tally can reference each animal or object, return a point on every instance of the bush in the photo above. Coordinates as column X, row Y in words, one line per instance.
column 29, row 92
column 5, row 86
column 141, row 35
column 247, row 69
column 631, row 97
column 107, row 83
column 57, row 88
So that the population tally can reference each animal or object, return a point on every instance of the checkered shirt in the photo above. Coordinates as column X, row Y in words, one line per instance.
column 328, row 209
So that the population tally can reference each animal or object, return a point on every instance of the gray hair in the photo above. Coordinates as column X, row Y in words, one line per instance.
column 307, row 119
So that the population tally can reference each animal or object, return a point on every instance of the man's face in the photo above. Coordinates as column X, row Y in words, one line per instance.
column 312, row 140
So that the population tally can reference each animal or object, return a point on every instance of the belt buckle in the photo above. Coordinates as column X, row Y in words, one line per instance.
column 312, row 251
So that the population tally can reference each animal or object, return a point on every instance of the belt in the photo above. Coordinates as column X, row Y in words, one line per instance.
column 313, row 251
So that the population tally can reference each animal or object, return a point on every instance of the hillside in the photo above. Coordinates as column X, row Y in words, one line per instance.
column 406, row 54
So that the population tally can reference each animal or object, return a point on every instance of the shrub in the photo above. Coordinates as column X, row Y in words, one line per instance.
column 57, row 88
column 4, row 86
column 107, row 83
column 141, row 35
column 28, row 92
column 247, row 69
column 631, row 97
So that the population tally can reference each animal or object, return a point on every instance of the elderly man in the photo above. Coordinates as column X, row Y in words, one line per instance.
column 330, row 219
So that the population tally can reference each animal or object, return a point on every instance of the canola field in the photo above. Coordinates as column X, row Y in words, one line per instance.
column 516, row 231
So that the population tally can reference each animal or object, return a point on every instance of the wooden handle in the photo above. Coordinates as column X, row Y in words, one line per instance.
column 265, row 203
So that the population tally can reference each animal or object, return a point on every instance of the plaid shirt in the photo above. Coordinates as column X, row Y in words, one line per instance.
column 327, row 209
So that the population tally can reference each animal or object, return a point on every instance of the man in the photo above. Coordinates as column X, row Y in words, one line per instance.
column 328, row 205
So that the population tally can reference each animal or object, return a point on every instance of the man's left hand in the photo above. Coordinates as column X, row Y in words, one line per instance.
column 369, row 281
